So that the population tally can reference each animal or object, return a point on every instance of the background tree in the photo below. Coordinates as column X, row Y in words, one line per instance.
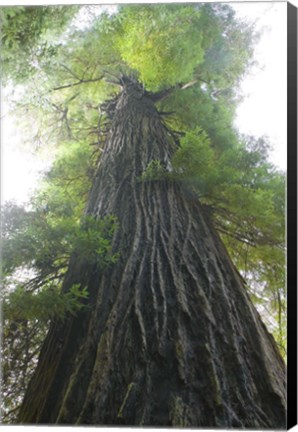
column 28, row 34
column 204, row 151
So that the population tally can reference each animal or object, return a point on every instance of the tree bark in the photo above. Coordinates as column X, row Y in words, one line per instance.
column 170, row 336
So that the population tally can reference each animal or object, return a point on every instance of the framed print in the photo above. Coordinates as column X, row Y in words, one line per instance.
column 148, row 215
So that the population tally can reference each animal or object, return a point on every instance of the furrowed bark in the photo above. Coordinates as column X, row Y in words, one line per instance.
column 170, row 337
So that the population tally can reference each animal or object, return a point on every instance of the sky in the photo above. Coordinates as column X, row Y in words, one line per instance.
column 264, row 109
column 262, row 112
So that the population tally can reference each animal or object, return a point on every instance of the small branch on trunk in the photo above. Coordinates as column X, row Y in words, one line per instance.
column 159, row 96
column 189, row 84
column 110, row 81
column 116, row 79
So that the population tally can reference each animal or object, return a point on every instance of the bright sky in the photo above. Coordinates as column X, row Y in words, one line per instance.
column 263, row 111
column 20, row 169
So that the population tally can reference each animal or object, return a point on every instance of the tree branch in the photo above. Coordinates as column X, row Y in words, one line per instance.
column 159, row 96
column 235, row 236
column 69, row 70
column 82, row 81
column 189, row 84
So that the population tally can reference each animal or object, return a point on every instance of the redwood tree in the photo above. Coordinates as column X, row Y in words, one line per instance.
column 148, row 321
column 169, row 336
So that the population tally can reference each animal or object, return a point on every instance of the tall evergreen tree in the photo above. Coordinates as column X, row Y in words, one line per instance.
column 170, row 337
column 154, row 324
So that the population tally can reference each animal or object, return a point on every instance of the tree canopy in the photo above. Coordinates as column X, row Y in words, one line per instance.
column 191, row 58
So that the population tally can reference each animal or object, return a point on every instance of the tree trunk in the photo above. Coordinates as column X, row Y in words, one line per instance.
column 170, row 337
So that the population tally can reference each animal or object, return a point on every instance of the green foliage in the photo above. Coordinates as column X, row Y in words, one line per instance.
column 232, row 48
column 162, row 42
column 45, row 243
column 46, row 304
column 245, row 192
column 167, row 44
column 255, row 191
column 25, row 35
column 93, row 239
column 195, row 107
column 193, row 162
column 154, row 171
column 45, row 236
